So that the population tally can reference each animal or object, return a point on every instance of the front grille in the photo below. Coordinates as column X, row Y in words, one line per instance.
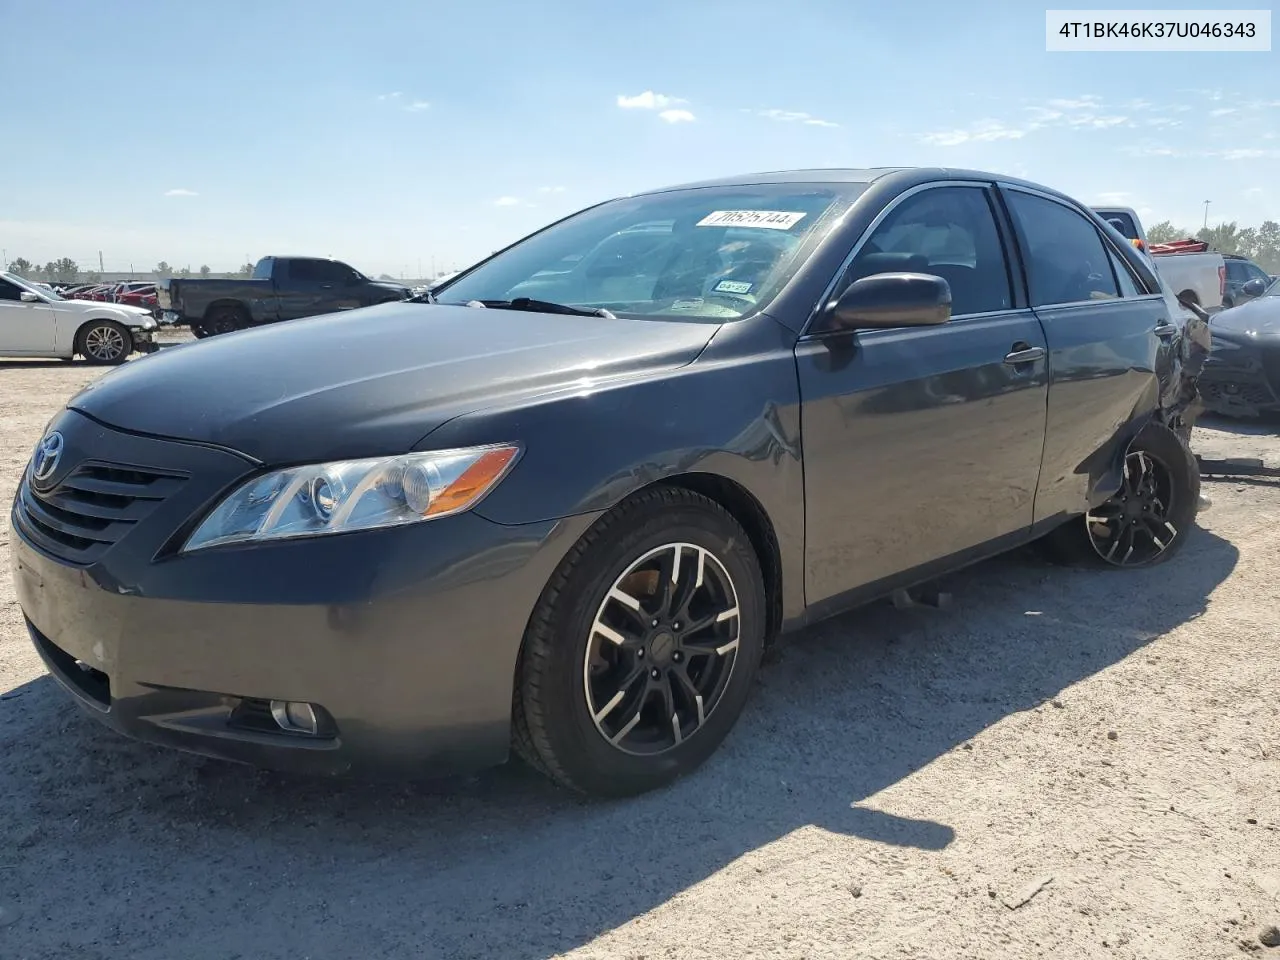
column 91, row 508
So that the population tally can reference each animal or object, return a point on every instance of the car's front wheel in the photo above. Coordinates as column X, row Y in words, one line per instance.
column 641, row 653
column 1148, row 519
column 105, row 342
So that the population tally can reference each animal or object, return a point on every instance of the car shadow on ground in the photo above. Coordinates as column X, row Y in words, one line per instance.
column 113, row 842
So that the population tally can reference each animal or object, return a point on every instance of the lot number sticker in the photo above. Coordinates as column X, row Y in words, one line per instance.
column 762, row 219
column 732, row 286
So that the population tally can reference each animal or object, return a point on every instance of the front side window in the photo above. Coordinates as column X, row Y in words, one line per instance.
column 949, row 232
column 1067, row 261
column 701, row 253
column 10, row 291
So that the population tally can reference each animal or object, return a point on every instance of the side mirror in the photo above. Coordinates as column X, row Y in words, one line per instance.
column 29, row 297
column 1254, row 288
column 891, row 300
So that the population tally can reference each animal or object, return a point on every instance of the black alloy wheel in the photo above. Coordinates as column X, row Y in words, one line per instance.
column 640, row 655
column 1145, row 522
column 1135, row 526
column 662, row 649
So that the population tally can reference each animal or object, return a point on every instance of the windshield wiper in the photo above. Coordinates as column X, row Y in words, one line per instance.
column 544, row 306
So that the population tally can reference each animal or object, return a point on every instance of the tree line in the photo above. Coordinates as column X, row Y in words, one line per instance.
column 67, row 270
column 1259, row 244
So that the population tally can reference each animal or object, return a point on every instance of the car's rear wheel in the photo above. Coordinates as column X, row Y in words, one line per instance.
column 1148, row 519
column 105, row 343
column 641, row 653
column 226, row 319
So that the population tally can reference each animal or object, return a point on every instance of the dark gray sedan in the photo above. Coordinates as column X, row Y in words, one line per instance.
column 1242, row 375
column 566, row 501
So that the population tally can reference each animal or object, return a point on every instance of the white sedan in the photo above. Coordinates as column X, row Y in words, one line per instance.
column 38, row 323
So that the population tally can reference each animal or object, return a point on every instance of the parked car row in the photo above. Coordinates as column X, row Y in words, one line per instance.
column 562, row 502
column 135, row 293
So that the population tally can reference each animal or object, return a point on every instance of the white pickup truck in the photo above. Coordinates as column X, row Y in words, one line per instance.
column 1199, row 276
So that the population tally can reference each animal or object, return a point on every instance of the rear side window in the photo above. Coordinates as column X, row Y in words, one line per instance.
column 1124, row 276
column 9, row 291
column 1067, row 261
column 1124, row 223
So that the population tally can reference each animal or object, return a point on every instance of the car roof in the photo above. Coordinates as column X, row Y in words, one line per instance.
column 905, row 177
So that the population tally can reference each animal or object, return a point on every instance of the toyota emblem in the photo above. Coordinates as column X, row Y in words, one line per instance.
column 47, row 456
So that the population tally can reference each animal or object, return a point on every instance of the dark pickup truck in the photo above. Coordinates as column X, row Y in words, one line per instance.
column 281, row 288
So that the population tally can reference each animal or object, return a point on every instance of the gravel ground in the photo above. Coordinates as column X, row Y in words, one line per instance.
column 1061, row 764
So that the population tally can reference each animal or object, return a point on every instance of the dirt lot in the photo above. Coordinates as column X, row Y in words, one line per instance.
column 1105, row 744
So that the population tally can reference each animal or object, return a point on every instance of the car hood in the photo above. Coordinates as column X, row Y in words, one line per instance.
column 123, row 308
column 373, row 381
column 1257, row 318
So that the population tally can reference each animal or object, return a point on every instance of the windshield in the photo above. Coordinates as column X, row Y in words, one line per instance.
column 706, row 252
column 30, row 287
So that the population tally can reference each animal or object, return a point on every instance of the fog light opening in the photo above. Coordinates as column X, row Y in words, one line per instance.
column 295, row 717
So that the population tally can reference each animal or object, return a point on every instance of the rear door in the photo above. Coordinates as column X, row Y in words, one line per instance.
column 923, row 444
column 1106, row 331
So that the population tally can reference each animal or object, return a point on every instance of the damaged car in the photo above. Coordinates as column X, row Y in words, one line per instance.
column 560, row 504
column 1242, row 375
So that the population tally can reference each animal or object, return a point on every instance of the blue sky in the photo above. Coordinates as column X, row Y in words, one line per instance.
column 399, row 134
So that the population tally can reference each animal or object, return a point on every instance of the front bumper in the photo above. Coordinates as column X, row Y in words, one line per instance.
column 406, row 638
column 1241, row 379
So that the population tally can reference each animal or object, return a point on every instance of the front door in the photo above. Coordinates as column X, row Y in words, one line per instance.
column 923, row 444
column 25, row 328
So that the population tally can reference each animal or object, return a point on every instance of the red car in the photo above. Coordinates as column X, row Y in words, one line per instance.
column 139, row 295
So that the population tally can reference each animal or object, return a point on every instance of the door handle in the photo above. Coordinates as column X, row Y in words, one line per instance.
column 1024, row 355
column 1164, row 330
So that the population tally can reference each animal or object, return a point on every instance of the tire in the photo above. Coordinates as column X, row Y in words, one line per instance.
column 199, row 331
column 1158, row 462
column 563, row 723
column 225, row 319
column 104, row 343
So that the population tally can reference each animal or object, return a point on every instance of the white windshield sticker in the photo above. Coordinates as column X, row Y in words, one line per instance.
column 763, row 219
column 732, row 286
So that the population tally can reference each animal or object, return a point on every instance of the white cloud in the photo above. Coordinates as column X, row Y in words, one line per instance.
column 648, row 101
column 984, row 131
column 551, row 189
column 179, row 192
column 1222, row 112
column 677, row 116
column 1163, row 122
column 796, row 116
column 507, row 202
column 1249, row 153
column 390, row 96
column 418, row 106
column 1079, row 103
column 1254, row 192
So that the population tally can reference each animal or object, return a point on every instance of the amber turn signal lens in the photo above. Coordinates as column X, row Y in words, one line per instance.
column 473, row 482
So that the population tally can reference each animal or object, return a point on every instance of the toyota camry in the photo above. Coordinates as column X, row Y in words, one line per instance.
column 563, row 502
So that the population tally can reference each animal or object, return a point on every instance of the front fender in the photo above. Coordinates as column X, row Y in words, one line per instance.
column 733, row 413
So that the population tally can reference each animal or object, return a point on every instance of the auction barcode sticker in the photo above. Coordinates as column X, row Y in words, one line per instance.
column 1129, row 31
column 764, row 219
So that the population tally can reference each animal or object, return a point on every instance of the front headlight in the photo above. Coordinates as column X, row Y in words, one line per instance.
column 354, row 495
column 148, row 324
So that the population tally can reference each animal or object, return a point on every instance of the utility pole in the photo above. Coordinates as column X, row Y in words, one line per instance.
column 1206, row 213
column 101, row 269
